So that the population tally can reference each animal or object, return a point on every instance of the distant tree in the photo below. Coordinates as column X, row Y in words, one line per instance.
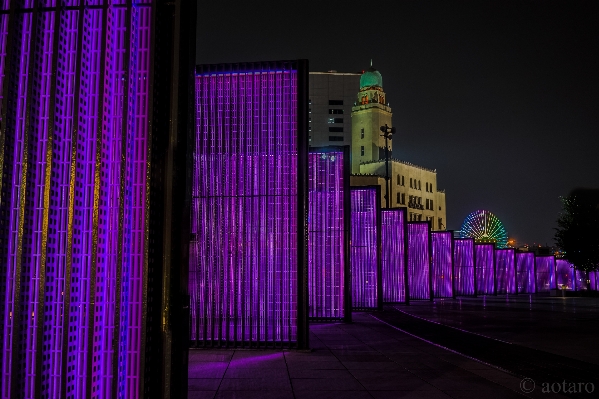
column 577, row 233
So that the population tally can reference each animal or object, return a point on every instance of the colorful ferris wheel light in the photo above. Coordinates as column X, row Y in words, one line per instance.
column 484, row 227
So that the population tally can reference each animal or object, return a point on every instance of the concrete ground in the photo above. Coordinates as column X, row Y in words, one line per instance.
column 392, row 354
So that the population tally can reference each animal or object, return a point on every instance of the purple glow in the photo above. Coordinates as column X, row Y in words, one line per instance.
column 75, row 204
column 506, row 271
column 564, row 274
column 463, row 258
column 545, row 273
column 593, row 281
column 326, row 240
column 392, row 255
column 243, row 281
column 582, row 280
column 525, row 269
column 365, row 248
column 442, row 264
column 418, row 260
column 485, row 269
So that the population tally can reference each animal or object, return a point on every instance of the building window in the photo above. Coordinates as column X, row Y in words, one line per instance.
column 427, row 203
column 362, row 133
column 432, row 207
column 335, row 111
column 335, row 102
column 335, row 138
column 410, row 182
column 335, row 120
column 335, row 129
column 441, row 227
column 362, row 151
column 419, row 186
column 403, row 181
column 399, row 198
column 426, row 187
column 398, row 180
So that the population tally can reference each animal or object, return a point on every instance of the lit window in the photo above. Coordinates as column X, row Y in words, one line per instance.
column 362, row 133
column 362, row 151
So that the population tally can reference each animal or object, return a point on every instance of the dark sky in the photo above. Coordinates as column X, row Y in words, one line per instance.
column 501, row 97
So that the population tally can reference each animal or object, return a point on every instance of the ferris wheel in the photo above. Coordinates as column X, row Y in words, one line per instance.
column 484, row 227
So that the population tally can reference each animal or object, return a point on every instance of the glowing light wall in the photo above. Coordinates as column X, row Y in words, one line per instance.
column 582, row 280
column 525, row 269
column 393, row 254
column 505, row 271
column 328, row 233
column 463, row 259
column 545, row 273
column 366, row 248
column 564, row 274
column 485, row 269
column 441, row 266
column 74, row 163
column 419, row 261
column 593, row 281
column 248, row 199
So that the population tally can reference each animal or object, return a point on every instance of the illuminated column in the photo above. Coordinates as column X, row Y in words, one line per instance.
column 564, row 274
column 249, row 189
column 525, row 266
column 366, row 248
column 505, row 267
column 485, row 269
column 328, row 233
column 419, row 260
column 75, row 137
column 463, row 258
column 393, row 227
column 441, row 265
column 545, row 265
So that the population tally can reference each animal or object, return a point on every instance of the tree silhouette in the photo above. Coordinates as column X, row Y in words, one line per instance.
column 577, row 233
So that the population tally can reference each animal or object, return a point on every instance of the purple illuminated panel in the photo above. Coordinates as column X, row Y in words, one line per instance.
column 485, row 269
column 326, row 235
column 418, row 260
column 245, row 205
column 393, row 255
column 463, row 258
column 545, row 278
column 593, row 281
column 506, row 271
column 365, row 248
column 441, row 266
column 582, row 280
column 564, row 274
column 525, row 269
column 75, row 138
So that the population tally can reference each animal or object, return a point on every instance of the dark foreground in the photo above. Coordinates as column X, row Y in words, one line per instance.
column 393, row 354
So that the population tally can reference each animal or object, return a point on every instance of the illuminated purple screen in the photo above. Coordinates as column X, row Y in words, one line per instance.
column 525, row 268
column 244, row 251
column 506, row 272
column 545, row 273
column 393, row 255
column 485, row 273
column 418, row 260
column 564, row 274
column 73, row 238
column 365, row 248
column 582, row 280
column 326, row 235
column 442, row 264
column 463, row 258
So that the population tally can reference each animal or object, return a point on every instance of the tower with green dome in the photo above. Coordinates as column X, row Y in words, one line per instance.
column 370, row 112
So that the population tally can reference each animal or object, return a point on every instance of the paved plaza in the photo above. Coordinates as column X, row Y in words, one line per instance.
column 469, row 348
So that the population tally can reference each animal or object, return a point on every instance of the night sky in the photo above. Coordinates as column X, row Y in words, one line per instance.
column 501, row 97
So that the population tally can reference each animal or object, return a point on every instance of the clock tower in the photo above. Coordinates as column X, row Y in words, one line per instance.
column 370, row 113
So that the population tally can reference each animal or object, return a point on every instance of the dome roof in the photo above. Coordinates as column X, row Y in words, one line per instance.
column 371, row 78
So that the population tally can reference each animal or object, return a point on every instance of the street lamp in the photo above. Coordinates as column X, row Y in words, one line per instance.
column 387, row 134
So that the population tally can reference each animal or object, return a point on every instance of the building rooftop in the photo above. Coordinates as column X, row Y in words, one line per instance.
column 401, row 162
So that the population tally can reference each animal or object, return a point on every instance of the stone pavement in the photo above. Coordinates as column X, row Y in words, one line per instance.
column 364, row 359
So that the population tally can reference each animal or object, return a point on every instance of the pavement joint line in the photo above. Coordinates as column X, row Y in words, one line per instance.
column 288, row 374
column 350, row 373
column 456, row 352
column 455, row 328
